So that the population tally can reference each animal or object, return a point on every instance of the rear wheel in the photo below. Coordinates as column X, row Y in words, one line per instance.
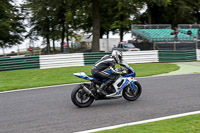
column 130, row 94
column 80, row 98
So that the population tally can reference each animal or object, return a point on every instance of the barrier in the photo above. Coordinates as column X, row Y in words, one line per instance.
column 140, row 56
column 82, row 59
column 18, row 63
column 198, row 54
column 61, row 60
column 177, row 56
column 91, row 58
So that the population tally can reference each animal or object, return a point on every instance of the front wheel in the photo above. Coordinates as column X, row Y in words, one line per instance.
column 80, row 98
column 130, row 94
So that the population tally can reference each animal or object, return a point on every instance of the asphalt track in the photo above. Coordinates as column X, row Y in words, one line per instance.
column 50, row 110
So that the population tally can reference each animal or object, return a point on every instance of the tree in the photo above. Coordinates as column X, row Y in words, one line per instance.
column 195, row 4
column 60, row 10
column 174, row 12
column 11, row 27
column 41, row 19
column 151, row 6
column 123, row 12
column 107, row 16
column 92, row 16
column 87, row 15
column 52, row 20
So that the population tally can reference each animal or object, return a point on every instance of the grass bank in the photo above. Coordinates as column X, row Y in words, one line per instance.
column 187, row 124
column 20, row 79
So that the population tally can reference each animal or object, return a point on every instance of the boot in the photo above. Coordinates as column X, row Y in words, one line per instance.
column 101, row 89
column 103, row 86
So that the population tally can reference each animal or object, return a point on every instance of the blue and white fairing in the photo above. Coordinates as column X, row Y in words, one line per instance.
column 131, row 72
column 128, row 80
column 84, row 76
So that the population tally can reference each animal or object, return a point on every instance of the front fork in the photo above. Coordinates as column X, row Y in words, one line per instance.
column 131, row 84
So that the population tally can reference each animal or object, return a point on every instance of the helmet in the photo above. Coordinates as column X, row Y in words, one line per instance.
column 117, row 56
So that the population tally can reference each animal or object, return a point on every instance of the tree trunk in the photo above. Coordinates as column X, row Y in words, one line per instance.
column 96, row 26
column 121, row 30
column 121, row 34
column 63, row 35
column 47, row 30
column 54, row 48
column 48, row 44
column 101, row 33
column 3, row 49
column 107, row 34
column 67, row 35
column 63, row 11
column 197, row 16
column 149, row 14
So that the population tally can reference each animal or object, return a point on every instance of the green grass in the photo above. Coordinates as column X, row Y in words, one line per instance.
column 20, row 79
column 186, row 124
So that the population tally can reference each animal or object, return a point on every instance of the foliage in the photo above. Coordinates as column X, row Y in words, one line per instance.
column 173, row 12
column 11, row 27
column 60, row 20
column 124, row 10
column 150, row 8
column 49, row 19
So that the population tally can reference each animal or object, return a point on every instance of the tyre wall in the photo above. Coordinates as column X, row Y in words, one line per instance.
column 19, row 63
column 177, row 56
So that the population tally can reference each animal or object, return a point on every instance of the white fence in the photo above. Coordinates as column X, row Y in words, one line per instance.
column 141, row 56
column 198, row 54
column 61, row 60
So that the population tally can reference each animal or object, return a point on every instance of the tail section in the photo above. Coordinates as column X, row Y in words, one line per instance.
column 84, row 76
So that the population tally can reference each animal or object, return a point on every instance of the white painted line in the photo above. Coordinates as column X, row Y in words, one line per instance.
column 140, row 122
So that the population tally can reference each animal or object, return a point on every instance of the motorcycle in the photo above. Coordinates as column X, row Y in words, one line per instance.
column 83, row 95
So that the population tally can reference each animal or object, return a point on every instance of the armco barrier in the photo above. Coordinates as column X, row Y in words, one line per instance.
column 61, row 60
column 82, row 59
column 177, row 56
column 91, row 58
column 17, row 63
column 140, row 56
column 198, row 54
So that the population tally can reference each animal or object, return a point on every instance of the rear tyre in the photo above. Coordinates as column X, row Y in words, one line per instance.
column 130, row 94
column 80, row 98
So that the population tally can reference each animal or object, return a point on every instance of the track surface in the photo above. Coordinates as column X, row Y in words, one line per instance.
column 51, row 109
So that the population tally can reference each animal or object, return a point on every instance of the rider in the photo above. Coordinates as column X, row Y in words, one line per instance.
column 106, row 62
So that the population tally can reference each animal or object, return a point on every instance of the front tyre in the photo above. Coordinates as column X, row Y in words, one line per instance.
column 130, row 94
column 80, row 98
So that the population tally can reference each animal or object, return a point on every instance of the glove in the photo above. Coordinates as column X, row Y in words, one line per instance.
column 113, row 71
column 118, row 72
column 123, row 73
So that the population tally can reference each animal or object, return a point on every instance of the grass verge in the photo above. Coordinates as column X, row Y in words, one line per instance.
column 19, row 79
column 186, row 124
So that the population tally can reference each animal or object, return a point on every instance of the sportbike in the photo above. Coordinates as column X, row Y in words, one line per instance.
column 83, row 95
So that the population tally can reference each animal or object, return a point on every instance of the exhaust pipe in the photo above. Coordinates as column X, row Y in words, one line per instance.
column 87, row 91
